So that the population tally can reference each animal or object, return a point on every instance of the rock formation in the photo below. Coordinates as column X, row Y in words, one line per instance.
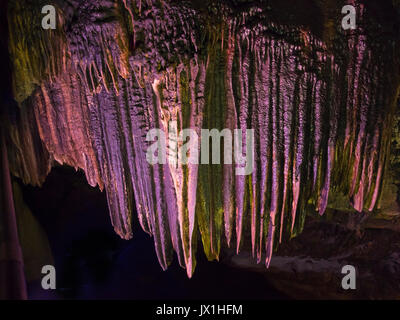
column 321, row 100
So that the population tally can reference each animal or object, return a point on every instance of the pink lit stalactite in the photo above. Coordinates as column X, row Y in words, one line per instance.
column 317, row 126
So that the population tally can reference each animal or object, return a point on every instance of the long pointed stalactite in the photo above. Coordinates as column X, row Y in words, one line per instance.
column 321, row 107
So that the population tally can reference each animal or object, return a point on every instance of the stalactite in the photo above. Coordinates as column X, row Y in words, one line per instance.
column 321, row 112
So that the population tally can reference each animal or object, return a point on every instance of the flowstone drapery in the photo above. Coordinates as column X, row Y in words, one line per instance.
column 321, row 106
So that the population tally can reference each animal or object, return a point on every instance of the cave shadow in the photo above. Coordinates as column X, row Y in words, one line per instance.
column 92, row 262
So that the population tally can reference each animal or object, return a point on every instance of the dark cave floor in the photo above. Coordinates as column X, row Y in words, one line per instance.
column 309, row 266
column 92, row 262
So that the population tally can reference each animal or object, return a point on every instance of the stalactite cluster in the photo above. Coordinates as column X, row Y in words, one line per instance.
column 322, row 109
